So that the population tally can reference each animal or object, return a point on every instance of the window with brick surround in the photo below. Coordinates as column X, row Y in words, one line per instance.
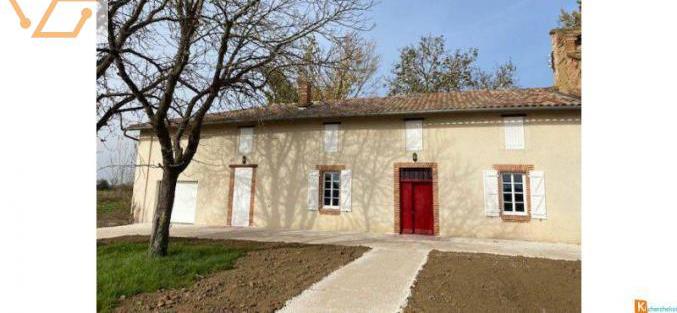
column 331, row 189
column 513, row 193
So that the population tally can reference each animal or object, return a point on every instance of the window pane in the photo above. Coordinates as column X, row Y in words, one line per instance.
column 518, row 187
column 334, row 202
column 518, row 178
column 519, row 207
column 335, row 185
column 506, row 178
column 336, row 193
column 327, row 201
column 507, row 206
column 327, row 184
column 507, row 197
column 327, row 193
column 327, row 176
column 507, row 187
column 519, row 197
column 335, row 176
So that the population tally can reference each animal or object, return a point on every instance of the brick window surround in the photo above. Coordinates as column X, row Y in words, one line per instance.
column 322, row 169
column 515, row 168
column 396, row 194
column 231, row 184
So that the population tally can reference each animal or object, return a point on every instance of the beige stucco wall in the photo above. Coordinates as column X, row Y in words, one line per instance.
column 463, row 145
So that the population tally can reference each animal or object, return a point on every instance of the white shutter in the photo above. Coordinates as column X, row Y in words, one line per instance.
column 414, row 135
column 537, row 185
column 246, row 140
column 346, row 186
column 514, row 132
column 491, row 193
column 313, row 191
column 331, row 137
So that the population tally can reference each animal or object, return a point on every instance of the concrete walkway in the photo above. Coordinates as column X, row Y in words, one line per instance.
column 398, row 242
column 379, row 281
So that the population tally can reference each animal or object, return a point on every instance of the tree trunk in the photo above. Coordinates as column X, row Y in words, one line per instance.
column 159, row 237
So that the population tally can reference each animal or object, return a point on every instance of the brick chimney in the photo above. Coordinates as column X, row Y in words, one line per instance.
column 305, row 92
column 566, row 60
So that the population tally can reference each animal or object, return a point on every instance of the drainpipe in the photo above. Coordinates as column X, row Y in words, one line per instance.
column 145, row 188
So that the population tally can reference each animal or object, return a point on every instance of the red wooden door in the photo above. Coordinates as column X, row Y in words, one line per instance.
column 406, row 208
column 423, row 208
column 416, row 205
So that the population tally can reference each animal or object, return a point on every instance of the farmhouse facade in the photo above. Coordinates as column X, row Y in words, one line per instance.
column 490, row 164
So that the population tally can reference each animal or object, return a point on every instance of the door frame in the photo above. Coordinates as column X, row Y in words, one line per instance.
column 397, row 195
column 231, row 191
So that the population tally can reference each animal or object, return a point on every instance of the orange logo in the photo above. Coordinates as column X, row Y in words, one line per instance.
column 641, row 306
column 39, row 32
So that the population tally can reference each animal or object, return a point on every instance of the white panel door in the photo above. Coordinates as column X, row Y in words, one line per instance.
column 242, row 196
column 185, row 201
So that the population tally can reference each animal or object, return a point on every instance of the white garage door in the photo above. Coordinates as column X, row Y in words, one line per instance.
column 185, row 201
column 242, row 196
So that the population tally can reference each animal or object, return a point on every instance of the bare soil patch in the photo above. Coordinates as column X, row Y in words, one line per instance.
column 470, row 282
column 261, row 281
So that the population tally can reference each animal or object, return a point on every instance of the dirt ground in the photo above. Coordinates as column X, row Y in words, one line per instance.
column 465, row 282
column 261, row 281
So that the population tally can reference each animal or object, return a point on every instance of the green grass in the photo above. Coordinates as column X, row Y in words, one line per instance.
column 113, row 207
column 123, row 268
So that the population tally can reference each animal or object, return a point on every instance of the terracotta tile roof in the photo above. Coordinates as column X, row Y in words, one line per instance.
column 464, row 101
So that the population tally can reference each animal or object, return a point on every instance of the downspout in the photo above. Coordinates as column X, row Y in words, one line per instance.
column 145, row 188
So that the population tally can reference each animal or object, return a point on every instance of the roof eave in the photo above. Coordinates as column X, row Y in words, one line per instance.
column 224, row 121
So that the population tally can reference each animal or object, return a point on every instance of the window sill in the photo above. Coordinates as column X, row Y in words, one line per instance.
column 515, row 218
column 326, row 211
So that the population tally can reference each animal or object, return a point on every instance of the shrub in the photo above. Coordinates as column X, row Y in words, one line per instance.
column 102, row 184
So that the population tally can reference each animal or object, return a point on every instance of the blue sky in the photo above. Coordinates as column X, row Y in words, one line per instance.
column 501, row 29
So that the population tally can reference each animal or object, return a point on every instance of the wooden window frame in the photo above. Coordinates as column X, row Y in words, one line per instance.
column 515, row 168
column 324, row 169
column 513, row 193
column 331, row 189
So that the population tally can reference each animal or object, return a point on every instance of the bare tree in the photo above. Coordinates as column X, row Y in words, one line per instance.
column 199, row 55
column 119, row 160
column 354, row 73
column 125, row 20
column 345, row 69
